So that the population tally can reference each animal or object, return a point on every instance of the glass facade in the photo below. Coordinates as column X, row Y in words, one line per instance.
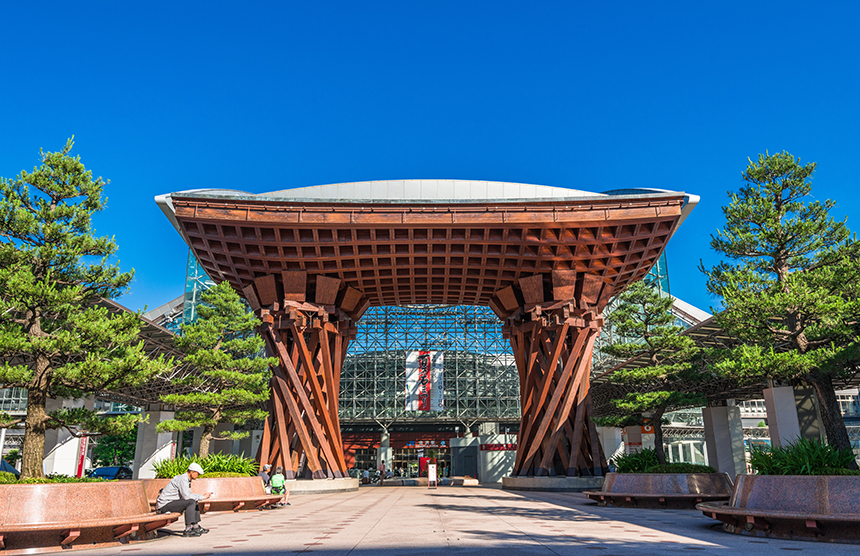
column 196, row 282
column 13, row 400
column 480, row 375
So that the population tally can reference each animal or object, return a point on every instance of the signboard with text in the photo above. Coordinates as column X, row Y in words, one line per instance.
column 424, row 383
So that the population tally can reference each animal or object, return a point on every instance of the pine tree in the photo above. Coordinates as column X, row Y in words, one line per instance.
column 645, row 317
column 231, row 383
column 115, row 449
column 790, row 294
column 56, row 339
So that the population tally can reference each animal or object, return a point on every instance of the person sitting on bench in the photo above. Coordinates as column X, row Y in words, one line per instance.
column 177, row 497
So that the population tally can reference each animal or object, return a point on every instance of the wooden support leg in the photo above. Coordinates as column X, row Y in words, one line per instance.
column 309, row 340
column 553, row 344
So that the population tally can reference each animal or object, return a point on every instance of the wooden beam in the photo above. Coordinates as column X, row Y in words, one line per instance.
column 326, row 291
column 267, row 293
column 295, row 285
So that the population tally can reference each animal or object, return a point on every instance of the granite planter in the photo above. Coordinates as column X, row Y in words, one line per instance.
column 662, row 490
column 48, row 517
column 818, row 507
column 228, row 493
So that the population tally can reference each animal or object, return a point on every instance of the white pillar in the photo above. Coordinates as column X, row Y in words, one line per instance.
column 247, row 447
column 222, row 446
column 632, row 439
column 808, row 412
column 151, row 445
column 196, row 435
column 61, row 448
column 782, row 420
column 384, row 452
column 610, row 439
column 724, row 437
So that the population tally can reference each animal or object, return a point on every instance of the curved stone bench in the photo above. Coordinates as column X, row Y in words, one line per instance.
column 229, row 494
column 662, row 490
column 824, row 507
column 40, row 518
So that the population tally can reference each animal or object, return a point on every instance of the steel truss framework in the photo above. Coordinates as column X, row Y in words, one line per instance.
column 480, row 377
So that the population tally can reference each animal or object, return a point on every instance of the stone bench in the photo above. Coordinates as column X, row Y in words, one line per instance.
column 229, row 494
column 662, row 490
column 825, row 507
column 52, row 516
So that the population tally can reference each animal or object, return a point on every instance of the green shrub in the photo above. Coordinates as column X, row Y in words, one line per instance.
column 801, row 457
column 832, row 471
column 9, row 479
column 54, row 480
column 681, row 468
column 213, row 463
column 222, row 474
column 637, row 462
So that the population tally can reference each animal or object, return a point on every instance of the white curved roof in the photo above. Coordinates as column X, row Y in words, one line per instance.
column 429, row 190
column 416, row 191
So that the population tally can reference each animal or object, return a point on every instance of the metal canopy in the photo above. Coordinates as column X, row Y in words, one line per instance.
column 707, row 334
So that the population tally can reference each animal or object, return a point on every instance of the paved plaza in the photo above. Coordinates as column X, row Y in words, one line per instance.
column 461, row 520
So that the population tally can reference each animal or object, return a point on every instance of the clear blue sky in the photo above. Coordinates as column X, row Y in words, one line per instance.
column 163, row 97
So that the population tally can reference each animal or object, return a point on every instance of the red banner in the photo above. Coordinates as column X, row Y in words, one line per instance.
column 425, row 379
column 82, row 456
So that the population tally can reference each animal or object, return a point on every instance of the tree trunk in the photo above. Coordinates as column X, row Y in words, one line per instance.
column 657, row 422
column 205, row 439
column 831, row 415
column 33, row 451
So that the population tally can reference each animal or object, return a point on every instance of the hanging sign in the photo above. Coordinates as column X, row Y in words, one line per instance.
column 424, row 383
column 82, row 455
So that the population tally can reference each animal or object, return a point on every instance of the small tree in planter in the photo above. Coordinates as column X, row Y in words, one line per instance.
column 644, row 314
column 57, row 340
column 232, row 382
column 792, row 293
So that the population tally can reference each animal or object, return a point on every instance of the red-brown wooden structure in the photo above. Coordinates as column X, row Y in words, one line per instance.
column 547, row 268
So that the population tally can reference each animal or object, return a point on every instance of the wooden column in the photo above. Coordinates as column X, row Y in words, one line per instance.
column 310, row 340
column 552, row 343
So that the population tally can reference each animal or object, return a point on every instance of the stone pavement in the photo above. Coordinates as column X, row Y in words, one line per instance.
column 461, row 520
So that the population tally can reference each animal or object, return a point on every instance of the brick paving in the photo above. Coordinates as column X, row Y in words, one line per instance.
column 461, row 520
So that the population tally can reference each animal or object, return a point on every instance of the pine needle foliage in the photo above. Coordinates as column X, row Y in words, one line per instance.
column 232, row 381
column 789, row 285
column 56, row 339
column 644, row 316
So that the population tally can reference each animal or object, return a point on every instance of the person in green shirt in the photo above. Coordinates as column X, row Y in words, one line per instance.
column 278, row 482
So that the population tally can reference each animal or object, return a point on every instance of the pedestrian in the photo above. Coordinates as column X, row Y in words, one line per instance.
column 177, row 497
column 267, row 481
column 381, row 472
column 365, row 476
column 279, row 484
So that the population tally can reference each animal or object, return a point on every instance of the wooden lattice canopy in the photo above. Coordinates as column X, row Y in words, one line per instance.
column 546, row 260
column 398, row 252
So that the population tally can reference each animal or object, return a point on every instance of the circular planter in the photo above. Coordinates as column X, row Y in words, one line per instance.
column 227, row 492
column 662, row 490
column 819, row 507
column 49, row 517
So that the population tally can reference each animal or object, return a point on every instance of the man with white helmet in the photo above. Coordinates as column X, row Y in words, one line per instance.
column 177, row 497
